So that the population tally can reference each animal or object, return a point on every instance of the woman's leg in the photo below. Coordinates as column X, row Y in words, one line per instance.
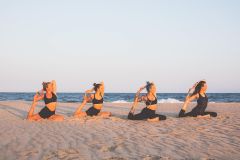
column 80, row 115
column 189, row 114
column 34, row 117
column 105, row 114
column 161, row 117
column 140, row 116
column 157, row 117
column 79, row 112
column 56, row 117
column 31, row 116
column 212, row 114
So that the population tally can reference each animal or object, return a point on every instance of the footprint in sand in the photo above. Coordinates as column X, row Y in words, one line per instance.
column 148, row 157
column 114, row 158
column 108, row 148
column 27, row 153
column 63, row 154
column 115, row 119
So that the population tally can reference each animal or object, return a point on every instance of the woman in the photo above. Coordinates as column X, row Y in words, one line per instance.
column 50, row 99
column 150, row 99
column 199, row 94
column 96, row 99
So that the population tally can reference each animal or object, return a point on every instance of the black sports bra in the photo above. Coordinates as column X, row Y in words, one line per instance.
column 202, row 101
column 96, row 101
column 149, row 102
column 50, row 100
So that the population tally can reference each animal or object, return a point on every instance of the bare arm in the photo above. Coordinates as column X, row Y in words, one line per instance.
column 188, row 100
column 84, row 102
column 137, row 99
column 89, row 91
column 37, row 97
column 190, row 97
column 102, row 83
column 54, row 85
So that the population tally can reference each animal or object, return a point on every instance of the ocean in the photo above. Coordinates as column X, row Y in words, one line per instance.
column 124, row 97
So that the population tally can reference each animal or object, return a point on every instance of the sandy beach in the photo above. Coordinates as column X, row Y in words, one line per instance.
column 119, row 138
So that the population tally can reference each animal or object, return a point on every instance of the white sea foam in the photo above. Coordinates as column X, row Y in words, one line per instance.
column 212, row 102
column 120, row 101
column 169, row 100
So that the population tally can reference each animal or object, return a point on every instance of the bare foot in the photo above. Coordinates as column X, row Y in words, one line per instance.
column 105, row 114
column 205, row 116
column 153, row 119
column 80, row 115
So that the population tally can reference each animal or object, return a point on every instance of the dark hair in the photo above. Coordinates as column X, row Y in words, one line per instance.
column 199, row 87
column 96, row 86
column 148, row 86
column 45, row 85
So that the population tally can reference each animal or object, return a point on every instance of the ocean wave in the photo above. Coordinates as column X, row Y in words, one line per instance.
column 211, row 102
column 120, row 101
column 169, row 100
column 71, row 101
column 125, row 97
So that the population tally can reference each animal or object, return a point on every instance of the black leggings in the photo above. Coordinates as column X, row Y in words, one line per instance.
column 195, row 114
column 146, row 114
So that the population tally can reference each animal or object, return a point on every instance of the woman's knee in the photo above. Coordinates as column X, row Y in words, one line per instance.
column 82, row 114
column 56, row 117
column 213, row 114
column 35, row 117
column 130, row 116
column 162, row 117
column 105, row 114
column 60, row 117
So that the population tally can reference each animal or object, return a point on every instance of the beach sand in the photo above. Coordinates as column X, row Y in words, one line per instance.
column 118, row 138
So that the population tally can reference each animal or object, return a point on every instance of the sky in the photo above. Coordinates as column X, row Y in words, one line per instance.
column 123, row 43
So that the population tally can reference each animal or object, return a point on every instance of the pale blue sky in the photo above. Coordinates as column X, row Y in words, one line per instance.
column 124, row 43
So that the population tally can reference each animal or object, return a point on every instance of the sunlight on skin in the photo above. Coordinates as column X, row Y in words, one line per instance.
column 150, row 96
column 50, row 88
column 88, row 97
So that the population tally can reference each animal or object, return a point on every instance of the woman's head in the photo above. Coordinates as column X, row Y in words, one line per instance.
column 200, row 87
column 150, row 87
column 47, row 86
column 98, row 87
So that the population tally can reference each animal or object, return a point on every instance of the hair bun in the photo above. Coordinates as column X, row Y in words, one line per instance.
column 44, row 84
column 94, row 84
column 148, row 83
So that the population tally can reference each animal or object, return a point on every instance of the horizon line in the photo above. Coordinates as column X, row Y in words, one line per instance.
column 126, row 92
